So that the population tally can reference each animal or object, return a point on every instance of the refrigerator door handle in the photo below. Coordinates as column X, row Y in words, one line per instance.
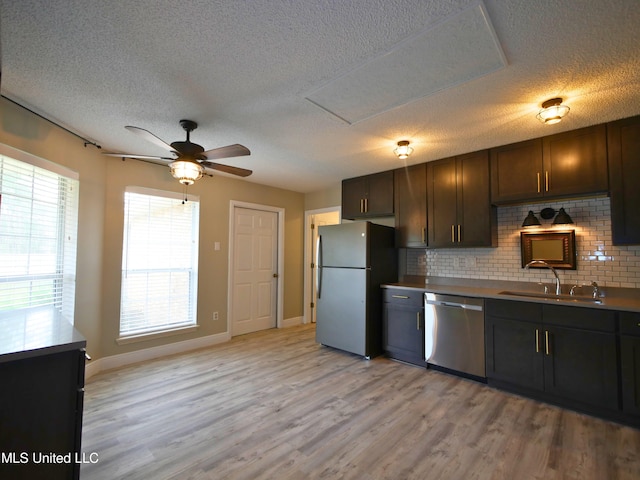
column 319, row 266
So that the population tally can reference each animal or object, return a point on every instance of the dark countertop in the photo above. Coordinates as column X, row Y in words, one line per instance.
column 622, row 299
column 33, row 332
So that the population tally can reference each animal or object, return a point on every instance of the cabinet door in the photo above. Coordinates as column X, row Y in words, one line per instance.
column 513, row 352
column 403, row 333
column 476, row 216
column 630, row 369
column 575, row 162
column 353, row 194
column 624, row 171
column 442, row 203
column 516, row 172
column 379, row 197
column 410, row 192
column 40, row 407
column 581, row 365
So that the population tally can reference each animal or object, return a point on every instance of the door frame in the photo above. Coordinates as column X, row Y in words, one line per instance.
column 308, row 247
column 233, row 204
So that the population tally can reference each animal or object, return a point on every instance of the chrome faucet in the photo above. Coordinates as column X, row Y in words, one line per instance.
column 545, row 264
column 596, row 290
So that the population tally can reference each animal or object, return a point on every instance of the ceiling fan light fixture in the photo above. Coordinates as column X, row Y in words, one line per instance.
column 403, row 150
column 552, row 111
column 186, row 171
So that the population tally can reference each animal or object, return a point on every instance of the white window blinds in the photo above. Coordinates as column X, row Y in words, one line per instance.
column 159, row 262
column 38, row 226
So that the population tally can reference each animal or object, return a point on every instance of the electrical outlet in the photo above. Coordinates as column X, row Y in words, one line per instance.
column 215, row 316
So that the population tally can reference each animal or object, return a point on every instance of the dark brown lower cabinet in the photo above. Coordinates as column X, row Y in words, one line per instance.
column 567, row 355
column 630, row 362
column 403, row 325
column 582, row 365
column 41, row 402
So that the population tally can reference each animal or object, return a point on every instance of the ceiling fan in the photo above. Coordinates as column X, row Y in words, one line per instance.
column 189, row 159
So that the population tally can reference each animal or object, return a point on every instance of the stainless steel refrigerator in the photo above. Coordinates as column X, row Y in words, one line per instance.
column 353, row 260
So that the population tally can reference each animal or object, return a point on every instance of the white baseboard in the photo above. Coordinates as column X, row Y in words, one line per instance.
column 107, row 363
column 292, row 322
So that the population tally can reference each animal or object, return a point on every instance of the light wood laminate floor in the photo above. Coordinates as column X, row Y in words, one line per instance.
column 276, row 405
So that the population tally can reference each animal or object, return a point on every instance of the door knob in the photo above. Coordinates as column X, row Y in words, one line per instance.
column 275, row 275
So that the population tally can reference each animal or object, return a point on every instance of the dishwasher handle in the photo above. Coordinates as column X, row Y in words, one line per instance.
column 441, row 303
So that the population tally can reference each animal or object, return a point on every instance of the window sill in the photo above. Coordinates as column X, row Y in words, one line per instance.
column 143, row 337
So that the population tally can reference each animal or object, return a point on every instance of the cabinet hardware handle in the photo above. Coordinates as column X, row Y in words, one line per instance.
column 362, row 205
column 537, row 341
column 399, row 296
column 546, row 181
column 546, row 342
column 424, row 234
column 366, row 205
column 459, row 233
column 417, row 320
column 538, row 175
column 453, row 234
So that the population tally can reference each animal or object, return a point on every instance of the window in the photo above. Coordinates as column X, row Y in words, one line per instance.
column 159, row 262
column 38, row 227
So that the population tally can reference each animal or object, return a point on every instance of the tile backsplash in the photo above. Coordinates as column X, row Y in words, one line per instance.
column 597, row 258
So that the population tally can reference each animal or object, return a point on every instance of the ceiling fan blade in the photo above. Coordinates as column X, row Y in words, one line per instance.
column 241, row 172
column 150, row 137
column 140, row 157
column 235, row 150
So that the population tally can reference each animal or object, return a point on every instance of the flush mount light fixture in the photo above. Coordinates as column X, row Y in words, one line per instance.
column 562, row 217
column 403, row 150
column 552, row 111
column 186, row 171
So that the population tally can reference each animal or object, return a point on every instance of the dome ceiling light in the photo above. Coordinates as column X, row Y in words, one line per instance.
column 403, row 150
column 552, row 111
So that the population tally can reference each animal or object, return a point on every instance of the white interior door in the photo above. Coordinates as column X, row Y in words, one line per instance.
column 255, row 270
column 314, row 220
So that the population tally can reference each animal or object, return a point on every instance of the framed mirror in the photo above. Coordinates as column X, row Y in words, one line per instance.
column 557, row 248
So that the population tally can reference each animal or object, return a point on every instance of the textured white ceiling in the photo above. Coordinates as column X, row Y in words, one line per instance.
column 242, row 70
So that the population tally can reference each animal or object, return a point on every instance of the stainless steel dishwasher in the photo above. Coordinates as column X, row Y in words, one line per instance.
column 454, row 333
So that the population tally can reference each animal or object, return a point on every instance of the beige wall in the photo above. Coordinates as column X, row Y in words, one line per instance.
column 102, row 184
column 331, row 197
column 27, row 132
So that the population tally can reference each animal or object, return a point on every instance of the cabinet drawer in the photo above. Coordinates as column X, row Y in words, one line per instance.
column 513, row 309
column 630, row 323
column 578, row 317
column 410, row 298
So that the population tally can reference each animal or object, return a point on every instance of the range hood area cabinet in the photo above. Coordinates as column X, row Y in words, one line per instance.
column 368, row 196
column 624, row 178
column 410, row 192
column 459, row 210
column 567, row 164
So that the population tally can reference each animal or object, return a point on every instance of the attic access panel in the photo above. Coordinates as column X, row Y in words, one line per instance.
column 459, row 49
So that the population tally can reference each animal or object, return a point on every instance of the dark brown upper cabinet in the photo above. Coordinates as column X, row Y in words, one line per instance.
column 460, row 213
column 624, row 172
column 410, row 192
column 567, row 164
column 368, row 196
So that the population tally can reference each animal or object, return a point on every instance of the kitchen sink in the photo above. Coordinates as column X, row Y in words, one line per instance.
column 552, row 296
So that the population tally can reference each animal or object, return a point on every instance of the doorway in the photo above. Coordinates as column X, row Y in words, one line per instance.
column 255, row 267
column 314, row 219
